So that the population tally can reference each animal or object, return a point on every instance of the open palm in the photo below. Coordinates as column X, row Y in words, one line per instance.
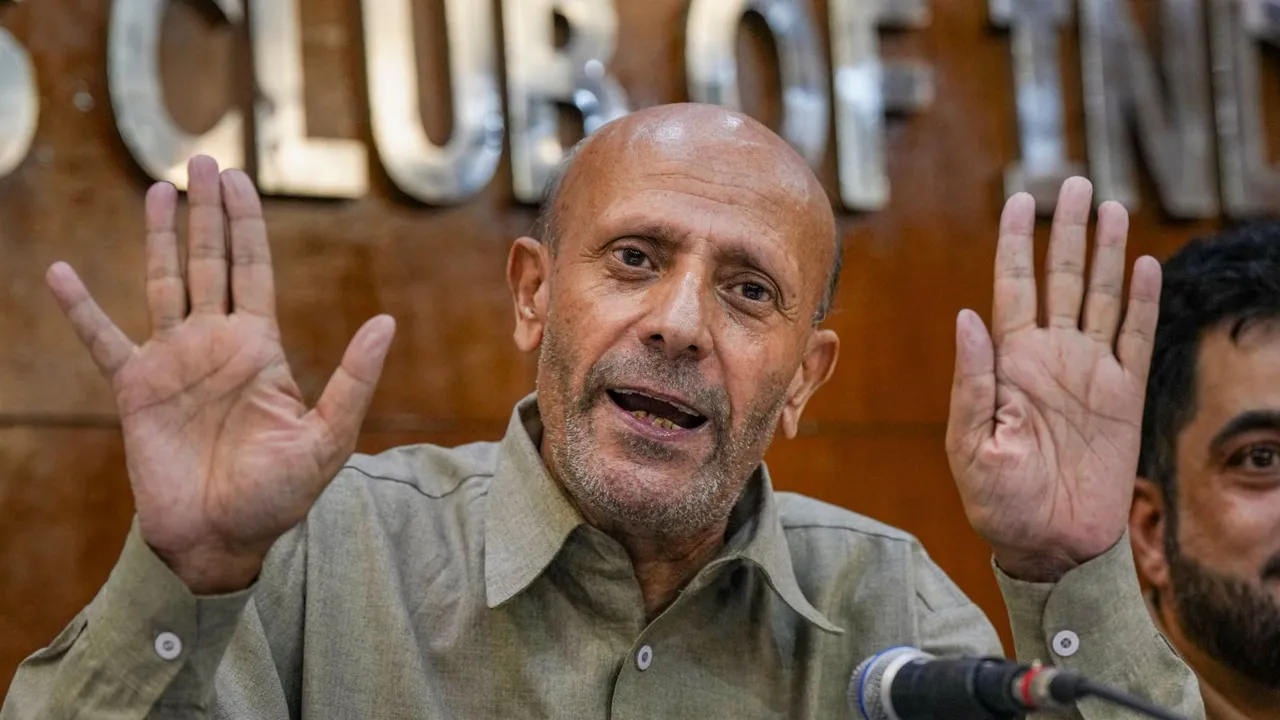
column 1046, row 421
column 223, row 455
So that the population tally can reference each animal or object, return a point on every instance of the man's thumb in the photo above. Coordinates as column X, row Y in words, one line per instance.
column 346, row 398
column 973, row 388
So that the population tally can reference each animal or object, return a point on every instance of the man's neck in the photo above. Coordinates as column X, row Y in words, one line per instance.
column 663, row 566
column 1227, row 694
column 663, row 563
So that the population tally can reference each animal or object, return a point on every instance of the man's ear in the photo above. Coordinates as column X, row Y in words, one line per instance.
column 816, row 368
column 1147, row 518
column 528, row 272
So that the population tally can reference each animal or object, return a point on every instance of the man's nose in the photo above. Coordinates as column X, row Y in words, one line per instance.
column 677, row 322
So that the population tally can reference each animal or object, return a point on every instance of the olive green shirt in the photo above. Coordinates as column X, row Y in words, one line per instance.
column 461, row 583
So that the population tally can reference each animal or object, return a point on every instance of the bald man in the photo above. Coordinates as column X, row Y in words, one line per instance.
column 621, row 552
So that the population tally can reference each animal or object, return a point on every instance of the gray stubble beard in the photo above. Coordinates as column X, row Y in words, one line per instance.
column 708, row 496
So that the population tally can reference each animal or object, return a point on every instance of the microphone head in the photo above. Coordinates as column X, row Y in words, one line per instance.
column 873, row 678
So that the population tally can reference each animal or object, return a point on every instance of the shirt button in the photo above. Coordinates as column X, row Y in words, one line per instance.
column 168, row 646
column 1066, row 643
column 644, row 658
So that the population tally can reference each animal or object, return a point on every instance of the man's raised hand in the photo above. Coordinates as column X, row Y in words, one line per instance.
column 1046, row 420
column 223, row 455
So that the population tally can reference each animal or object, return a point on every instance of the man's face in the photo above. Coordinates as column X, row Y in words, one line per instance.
column 1224, row 560
column 687, row 270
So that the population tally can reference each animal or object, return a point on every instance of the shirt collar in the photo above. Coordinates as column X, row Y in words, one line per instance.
column 756, row 535
column 529, row 515
column 530, row 518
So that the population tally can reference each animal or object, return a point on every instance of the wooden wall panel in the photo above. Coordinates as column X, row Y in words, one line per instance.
column 65, row 509
column 871, row 441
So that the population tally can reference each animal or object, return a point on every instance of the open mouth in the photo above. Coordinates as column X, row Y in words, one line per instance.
column 660, row 412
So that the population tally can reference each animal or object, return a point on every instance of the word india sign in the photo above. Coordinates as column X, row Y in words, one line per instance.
column 1201, row 134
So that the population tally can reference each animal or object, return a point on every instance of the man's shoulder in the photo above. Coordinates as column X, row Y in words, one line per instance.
column 838, row 552
column 432, row 471
column 405, row 512
column 412, row 496
column 831, row 544
column 410, row 483
column 802, row 516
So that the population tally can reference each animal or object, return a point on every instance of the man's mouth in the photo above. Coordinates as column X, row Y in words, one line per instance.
column 660, row 411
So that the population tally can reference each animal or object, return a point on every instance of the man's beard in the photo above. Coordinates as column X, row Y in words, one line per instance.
column 707, row 497
column 1234, row 621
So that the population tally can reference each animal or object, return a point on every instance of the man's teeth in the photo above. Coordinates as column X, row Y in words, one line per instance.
column 676, row 405
column 656, row 420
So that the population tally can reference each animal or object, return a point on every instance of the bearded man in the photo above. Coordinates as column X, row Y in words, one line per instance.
column 1206, row 512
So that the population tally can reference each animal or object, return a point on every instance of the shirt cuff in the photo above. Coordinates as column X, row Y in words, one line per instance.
column 1094, row 622
column 151, row 633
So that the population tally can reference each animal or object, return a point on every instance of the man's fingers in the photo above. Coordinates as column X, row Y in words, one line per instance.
column 1137, row 336
column 252, row 284
column 1015, row 280
column 973, row 389
column 108, row 346
column 342, row 406
column 1103, row 302
column 166, row 290
column 1064, row 263
column 206, row 238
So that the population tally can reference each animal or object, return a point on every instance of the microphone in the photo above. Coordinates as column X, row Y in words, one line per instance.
column 904, row 683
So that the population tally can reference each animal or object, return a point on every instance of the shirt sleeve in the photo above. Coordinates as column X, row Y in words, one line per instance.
column 1094, row 622
column 145, row 647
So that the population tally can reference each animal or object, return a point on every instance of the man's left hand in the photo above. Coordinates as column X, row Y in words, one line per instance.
column 1046, row 419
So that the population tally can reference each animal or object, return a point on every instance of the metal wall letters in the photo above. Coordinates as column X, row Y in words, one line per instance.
column 1174, row 131
column 133, row 80
column 539, row 76
column 1250, row 185
column 867, row 87
column 1124, row 96
column 19, row 103
column 289, row 162
column 712, row 65
column 424, row 170
column 1035, row 29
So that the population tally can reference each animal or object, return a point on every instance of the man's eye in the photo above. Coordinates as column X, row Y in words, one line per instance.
column 1257, row 458
column 753, row 291
column 633, row 257
column 1261, row 458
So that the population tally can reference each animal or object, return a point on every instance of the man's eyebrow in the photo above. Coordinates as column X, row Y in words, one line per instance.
column 745, row 256
column 1247, row 421
column 658, row 232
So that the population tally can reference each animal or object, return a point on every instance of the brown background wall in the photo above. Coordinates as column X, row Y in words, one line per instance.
column 872, row 439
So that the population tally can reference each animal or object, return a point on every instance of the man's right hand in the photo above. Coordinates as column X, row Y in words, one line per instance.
column 223, row 455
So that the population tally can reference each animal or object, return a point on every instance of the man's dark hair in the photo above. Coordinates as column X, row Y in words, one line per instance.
column 1231, row 279
column 546, row 228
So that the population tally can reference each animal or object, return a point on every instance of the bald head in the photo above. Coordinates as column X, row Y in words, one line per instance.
column 727, row 148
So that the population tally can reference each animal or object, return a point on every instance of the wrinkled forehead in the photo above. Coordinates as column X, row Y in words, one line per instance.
column 718, row 177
